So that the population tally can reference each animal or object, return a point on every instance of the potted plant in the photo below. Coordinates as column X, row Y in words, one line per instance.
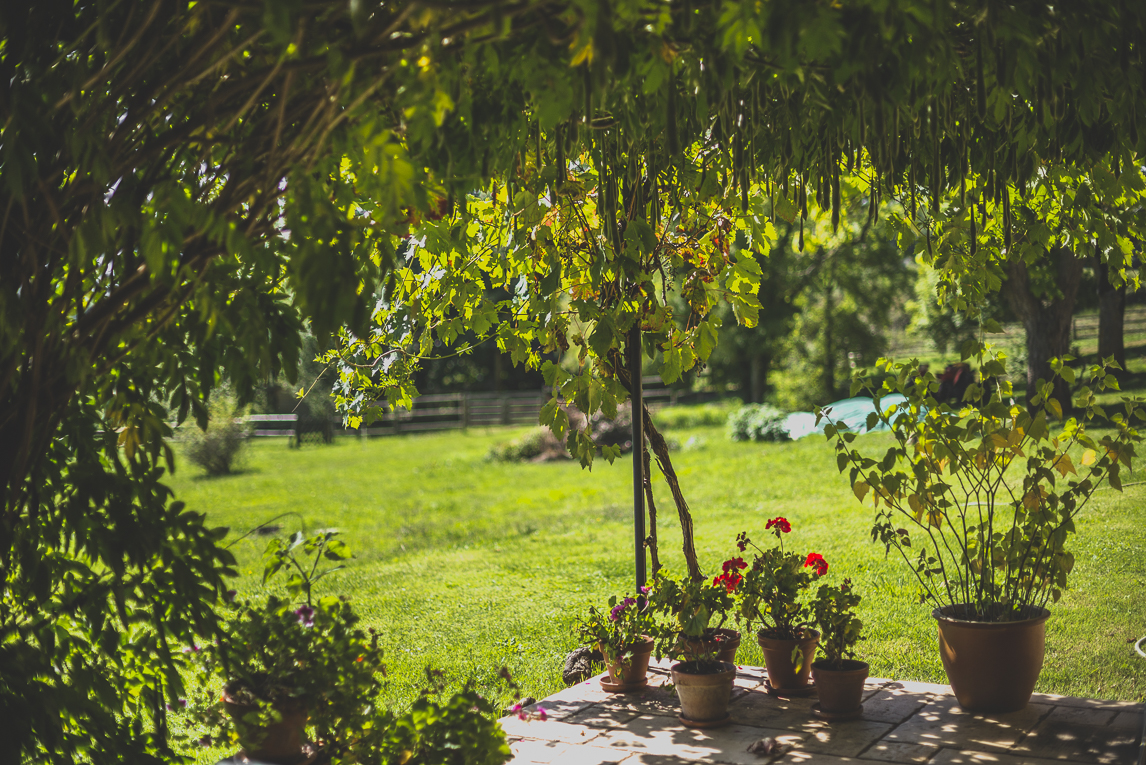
column 980, row 499
column 621, row 635
column 839, row 676
column 287, row 664
column 700, row 604
column 702, row 674
column 770, row 596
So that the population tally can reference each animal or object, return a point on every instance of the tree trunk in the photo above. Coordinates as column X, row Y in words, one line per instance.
column 661, row 452
column 761, row 362
column 829, row 345
column 1047, row 321
column 1111, row 313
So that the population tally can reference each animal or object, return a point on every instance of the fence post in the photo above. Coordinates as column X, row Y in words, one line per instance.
column 505, row 410
column 465, row 410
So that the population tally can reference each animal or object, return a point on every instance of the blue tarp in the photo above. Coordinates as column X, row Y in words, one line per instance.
column 852, row 411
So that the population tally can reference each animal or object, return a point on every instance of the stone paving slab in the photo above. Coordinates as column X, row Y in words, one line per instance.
column 902, row 722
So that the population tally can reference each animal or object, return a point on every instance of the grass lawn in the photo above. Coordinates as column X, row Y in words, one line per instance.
column 468, row 565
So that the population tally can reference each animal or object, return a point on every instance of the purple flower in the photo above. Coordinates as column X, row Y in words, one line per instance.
column 205, row 741
column 305, row 616
column 231, row 595
column 619, row 609
column 193, row 649
column 645, row 590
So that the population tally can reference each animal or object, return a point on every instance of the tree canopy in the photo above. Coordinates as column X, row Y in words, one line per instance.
column 184, row 184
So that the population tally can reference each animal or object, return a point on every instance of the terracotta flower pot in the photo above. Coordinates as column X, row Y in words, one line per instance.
column 992, row 666
column 840, row 688
column 634, row 670
column 782, row 672
column 279, row 743
column 704, row 695
column 729, row 643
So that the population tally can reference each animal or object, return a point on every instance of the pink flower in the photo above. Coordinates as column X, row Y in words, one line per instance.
column 305, row 616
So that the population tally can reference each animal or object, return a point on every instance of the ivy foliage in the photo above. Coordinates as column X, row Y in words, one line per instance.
column 644, row 151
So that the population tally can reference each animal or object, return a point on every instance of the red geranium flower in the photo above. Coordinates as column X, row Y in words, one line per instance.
column 817, row 561
column 734, row 564
column 729, row 580
column 742, row 541
column 781, row 524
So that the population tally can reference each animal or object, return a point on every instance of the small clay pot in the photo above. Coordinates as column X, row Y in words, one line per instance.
column 782, row 672
column 729, row 642
column 634, row 671
column 277, row 744
column 840, row 688
column 705, row 694
column 992, row 666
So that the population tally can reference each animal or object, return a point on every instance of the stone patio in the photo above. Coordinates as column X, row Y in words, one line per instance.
column 903, row 722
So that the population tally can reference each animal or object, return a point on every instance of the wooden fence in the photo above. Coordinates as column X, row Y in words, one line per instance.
column 448, row 411
column 1083, row 327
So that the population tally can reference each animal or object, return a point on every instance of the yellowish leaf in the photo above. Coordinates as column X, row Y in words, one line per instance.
column 1088, row 457
column 1064, row 465
column 860, row 489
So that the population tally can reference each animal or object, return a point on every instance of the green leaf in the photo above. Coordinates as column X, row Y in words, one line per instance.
column 671, row 366
column 1038, row 428
column 337, row 550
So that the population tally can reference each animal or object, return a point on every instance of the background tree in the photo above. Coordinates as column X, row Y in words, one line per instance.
column 1034, row 244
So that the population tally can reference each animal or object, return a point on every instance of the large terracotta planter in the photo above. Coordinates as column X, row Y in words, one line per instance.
column 782, row 672
column 840, row 688
column 632, row 672
column 279, row 743
column 992, row 666
column 705, row 694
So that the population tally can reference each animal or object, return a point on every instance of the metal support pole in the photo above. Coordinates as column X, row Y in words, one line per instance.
column 637, row 398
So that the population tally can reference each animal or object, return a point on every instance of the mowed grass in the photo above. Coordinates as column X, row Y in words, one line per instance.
column 467, row 565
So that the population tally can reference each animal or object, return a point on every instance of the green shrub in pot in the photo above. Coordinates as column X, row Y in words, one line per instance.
column 839, row 677
column 980, row 500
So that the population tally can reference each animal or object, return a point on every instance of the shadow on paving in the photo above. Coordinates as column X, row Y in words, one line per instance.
column 902, row 722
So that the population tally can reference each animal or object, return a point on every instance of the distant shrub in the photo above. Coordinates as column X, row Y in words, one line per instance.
column 538, row 444
column 694, row 415
column 757, row 422
column 542, row 446
column 217, row 449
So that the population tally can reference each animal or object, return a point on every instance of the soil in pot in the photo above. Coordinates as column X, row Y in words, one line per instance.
column 782, row 671
column 840, row 686
column 279, row 743
column 992, row 666
column 632, row 673
column 704, row 691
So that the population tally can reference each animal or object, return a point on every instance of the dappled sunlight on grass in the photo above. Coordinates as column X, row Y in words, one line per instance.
column 468, row 565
